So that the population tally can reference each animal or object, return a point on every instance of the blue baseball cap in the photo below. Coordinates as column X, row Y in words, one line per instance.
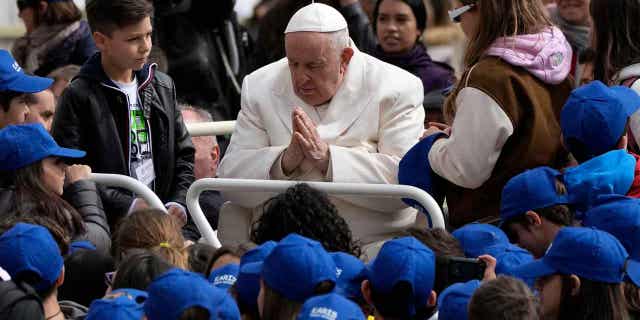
column 350, row 272
column 588, row 253
column 225, row 277
column 530, row 190
column 248, row 283
column 28, row 248
column 177, row 290
column 453, row 301
column 620, row 216
column 121, row 304
column 609, row 173
column 295, row 267
column 12, row 78
column 477, row 239
column 404, row 260
column 596, row 115
column 22, row 145
column 330, row 306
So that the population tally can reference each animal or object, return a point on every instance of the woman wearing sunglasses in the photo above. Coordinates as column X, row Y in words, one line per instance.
column 502, row 118
column 35, row 180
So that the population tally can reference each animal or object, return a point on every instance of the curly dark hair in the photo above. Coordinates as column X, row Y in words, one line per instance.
column 307, row 212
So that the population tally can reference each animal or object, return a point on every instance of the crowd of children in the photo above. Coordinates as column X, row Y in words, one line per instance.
column 566, row 245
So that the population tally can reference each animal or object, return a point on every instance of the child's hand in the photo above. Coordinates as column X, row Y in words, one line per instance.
column 490, row 270
column 77, row 172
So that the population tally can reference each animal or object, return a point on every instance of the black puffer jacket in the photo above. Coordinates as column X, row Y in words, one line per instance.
column 93, row 116
column 83, row 196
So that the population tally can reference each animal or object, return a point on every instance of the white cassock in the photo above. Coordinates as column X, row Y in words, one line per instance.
column 374, row 118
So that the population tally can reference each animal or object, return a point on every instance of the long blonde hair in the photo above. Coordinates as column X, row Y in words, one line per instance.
column 499, row 18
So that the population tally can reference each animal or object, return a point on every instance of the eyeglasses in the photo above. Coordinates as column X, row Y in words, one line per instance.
column 108, row 278
column 455, row 14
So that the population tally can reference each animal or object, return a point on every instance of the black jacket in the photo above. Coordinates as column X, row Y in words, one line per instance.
column 93, row 116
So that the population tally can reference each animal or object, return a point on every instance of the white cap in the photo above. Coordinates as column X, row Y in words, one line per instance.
column 316, row 17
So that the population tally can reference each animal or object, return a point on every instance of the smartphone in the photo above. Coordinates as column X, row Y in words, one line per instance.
column 450, row 270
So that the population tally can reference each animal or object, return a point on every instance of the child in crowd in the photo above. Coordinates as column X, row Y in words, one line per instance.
column 580, row 276
column 137, row 271
column 124, row 113
column 479, row 239
column 502, row 118
column 29, row 254
column 295, row 270
column 620, row 216
column 534, row 208
column 14, row 87
column 330, row 306
column 504, row 298
column 121, row 304
column 350, row 272
column 247, row 285
column 595, row 120
column 225, row 277
column 454, row 300
column 616, row 50
column 182, row 295
column 36, row 181
column 308, row 212
column 400, row 281
column 152, row 230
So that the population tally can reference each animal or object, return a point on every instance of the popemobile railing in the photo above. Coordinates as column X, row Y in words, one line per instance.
column 217, row 128
column 131, row 184
column 277, row 186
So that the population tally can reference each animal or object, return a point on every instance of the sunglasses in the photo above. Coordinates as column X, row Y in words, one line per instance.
column 455, row 14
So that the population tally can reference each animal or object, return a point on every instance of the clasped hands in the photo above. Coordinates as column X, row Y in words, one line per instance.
column 305, row 144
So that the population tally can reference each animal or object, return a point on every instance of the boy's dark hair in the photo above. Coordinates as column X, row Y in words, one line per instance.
column 396, row 304
column 277, row 307
column 201, row 258
column 504, row 298
column 84, row 276
column 105, row 16
column 307, row 212
column 195, row 313
column 138, row 271
column 443, row 244
column 6, row 97
column 596, row 300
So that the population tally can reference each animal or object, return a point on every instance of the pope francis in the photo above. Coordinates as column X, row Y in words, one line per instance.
column 327, row 112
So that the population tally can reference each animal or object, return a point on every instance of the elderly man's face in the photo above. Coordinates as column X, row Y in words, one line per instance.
column 317, row 68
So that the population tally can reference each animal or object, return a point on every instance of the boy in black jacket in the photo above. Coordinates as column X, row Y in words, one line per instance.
column 124, row 113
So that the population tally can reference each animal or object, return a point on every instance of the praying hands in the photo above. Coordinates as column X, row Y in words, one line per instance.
column 305, row 144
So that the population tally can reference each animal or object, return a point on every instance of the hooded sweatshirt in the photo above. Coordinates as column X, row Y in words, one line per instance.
column 506, row 120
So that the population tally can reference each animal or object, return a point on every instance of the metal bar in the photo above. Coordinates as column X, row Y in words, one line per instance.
column 131, row 184
column 216, row 128
column 353, row 189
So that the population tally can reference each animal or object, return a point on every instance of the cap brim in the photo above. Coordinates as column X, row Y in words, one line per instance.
column 633, row 271
column 68, row 153
column 30, row 84
column 534, row 270
column 252, row 268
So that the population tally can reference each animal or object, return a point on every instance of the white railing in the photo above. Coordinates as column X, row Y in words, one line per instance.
column 351, row 189
column 217, row 128
column 131, row 184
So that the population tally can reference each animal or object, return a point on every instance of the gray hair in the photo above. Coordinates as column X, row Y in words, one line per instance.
column 202, row 115
column 339, row 40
